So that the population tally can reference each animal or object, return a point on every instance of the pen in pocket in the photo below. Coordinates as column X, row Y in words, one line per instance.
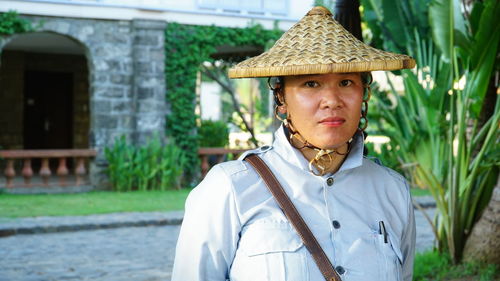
column 382, row 230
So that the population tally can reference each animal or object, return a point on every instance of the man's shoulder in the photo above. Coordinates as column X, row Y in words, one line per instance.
column 375, row 166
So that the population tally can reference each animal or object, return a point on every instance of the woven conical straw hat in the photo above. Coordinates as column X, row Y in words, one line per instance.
column 317, row 44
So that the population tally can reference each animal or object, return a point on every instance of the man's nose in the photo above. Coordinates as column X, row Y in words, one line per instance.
column 330, row 98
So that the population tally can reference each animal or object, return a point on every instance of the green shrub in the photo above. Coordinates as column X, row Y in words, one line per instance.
column 433, row 266
column 213, row 134
column 430, row 265
column 11, row 23
column 150, row 167
column 386, row 156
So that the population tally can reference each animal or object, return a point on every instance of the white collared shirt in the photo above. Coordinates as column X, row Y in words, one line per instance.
column 234, row 230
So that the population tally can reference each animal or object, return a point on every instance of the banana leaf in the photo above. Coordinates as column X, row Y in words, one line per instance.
column 442, row 18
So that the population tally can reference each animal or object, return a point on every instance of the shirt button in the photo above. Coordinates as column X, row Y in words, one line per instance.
column 340, row 270
column 336, row 224
column 329, row 181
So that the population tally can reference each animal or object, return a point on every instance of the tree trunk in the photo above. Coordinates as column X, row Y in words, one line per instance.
column 483, row 243
column 347, row 14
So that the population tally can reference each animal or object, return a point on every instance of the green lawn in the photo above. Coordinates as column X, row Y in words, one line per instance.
column 97, row 202
column 432, row 266
column 420, row 192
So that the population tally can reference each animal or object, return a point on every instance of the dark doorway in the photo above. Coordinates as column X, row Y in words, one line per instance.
column 48, row 110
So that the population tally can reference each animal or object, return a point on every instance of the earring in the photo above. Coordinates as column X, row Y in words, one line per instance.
column 277, row 114
column 363, row 122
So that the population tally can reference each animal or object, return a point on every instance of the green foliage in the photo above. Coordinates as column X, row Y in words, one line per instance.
column 213, row 134
column 415, row 192
column 186, row 48
column 430, row 265
column 385, row 156
column 434, row 130
column 433, row 266
column 149, row 167
column 392, row 23
column 11, row 23
column 471, row 173
column 90, row 203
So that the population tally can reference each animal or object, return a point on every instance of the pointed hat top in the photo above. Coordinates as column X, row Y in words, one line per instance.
column 318, row 44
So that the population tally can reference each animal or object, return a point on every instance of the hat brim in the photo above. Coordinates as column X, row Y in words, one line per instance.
column 347, row 67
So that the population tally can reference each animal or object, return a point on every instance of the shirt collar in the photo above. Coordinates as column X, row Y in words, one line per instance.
column 283, row 147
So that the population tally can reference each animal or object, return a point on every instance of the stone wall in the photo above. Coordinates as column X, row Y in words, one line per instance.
column 149, row 78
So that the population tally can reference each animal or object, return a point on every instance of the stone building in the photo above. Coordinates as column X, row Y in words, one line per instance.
column 94, row 70
column 85, row 83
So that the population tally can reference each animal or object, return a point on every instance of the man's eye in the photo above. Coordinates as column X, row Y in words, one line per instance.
column 345, row 83
column 311, row 84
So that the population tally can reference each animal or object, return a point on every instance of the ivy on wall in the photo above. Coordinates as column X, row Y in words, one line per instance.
column 11, row 23
column 187, row 47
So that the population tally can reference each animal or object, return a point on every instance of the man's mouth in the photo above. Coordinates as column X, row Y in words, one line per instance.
column 332, row 121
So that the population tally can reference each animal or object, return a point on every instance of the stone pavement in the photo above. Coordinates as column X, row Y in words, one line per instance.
column 37, row 225
column 118, row 254
column 105, row 247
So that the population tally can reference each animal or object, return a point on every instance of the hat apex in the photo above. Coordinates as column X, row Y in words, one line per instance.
column 318, row 44
column 319, row 10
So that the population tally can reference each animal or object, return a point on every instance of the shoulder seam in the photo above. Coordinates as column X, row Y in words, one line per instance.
column 234, row 170
column 393, row 174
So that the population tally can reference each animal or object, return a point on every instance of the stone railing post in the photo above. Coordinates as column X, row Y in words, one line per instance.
column 27, row 171
column 45, row 172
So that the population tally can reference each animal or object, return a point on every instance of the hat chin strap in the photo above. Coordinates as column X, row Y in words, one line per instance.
column 322, row 162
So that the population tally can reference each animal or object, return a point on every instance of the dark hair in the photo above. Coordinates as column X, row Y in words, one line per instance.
column 277, row 84
column 366, row 78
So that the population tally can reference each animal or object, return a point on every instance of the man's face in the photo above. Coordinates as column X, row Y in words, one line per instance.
column 324, row 108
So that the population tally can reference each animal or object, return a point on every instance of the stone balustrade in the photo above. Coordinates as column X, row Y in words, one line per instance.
column 23, row 161
column 26, row 156
column 219, row 154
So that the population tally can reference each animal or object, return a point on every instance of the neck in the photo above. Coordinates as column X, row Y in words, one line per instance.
column 327, row 163
column 331, row 161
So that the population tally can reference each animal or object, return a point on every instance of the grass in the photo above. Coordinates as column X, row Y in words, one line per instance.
column 97, row 202
column 433, row 266
column 420, row 192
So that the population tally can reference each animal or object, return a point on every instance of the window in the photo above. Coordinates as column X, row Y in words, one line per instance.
column 276, row 7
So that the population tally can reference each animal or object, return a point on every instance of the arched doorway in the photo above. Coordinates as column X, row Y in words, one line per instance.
column 44, row 93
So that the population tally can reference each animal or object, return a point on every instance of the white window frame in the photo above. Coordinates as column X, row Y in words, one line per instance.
column 239, row 7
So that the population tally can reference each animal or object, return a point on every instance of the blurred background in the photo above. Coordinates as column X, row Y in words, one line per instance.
column 112, row 106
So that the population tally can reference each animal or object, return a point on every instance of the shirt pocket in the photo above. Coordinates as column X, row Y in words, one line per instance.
column 270, row 251
column 390, row 258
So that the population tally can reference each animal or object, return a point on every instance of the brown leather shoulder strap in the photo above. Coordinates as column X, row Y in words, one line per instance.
column 312, row 245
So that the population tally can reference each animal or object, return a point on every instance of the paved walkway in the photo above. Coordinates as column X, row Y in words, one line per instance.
column 38, row 225
column 104, row 247
column 119, row 254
